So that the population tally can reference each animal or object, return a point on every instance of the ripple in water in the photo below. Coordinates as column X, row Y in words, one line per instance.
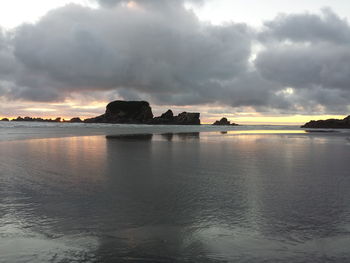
column 188, row 197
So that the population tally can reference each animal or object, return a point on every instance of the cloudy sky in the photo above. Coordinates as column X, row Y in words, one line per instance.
column 271, row 61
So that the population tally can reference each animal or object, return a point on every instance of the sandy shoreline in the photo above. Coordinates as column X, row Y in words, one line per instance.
column 23, row 131
column 206, row 197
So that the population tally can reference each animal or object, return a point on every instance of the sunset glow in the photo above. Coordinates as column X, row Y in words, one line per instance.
column 185, row 56
column 174, row 131
column 132, row 5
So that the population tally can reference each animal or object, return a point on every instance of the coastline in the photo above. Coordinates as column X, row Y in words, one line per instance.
column 39, row 130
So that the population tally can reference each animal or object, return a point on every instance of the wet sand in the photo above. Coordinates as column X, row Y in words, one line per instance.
column 184, row 197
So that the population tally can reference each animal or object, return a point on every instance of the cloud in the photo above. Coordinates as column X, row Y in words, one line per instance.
column 307, row 27
column 160, row 51
column 7, row 60
column 141, row 50
column 154, row 3
column 305, row 66
column 309, row 53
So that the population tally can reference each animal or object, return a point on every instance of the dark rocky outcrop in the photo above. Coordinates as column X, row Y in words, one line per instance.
column 140, row 112
column 131, row 112
column 184, row 118
column 30, row 119
column 329, row 124
column 75, row 120
column 224, row 122
column 165, row 118
column 5, row 119
column 19, row 118
column 187, row 118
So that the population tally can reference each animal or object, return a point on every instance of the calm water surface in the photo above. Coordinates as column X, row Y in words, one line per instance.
column 190, row 197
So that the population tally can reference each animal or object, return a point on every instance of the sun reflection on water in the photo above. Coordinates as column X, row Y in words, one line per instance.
column 268, row 132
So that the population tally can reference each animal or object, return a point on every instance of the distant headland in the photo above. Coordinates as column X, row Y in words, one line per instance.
column 35, row 119
column 133, row 112
column 329, row 124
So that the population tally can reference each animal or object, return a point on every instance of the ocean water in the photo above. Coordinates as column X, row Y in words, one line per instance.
column 92, row 193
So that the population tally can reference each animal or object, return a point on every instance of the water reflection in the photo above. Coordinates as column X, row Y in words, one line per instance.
column 181, row 136
column 347, row 140
column 130, row 137
column 43, row 190
column 167, row 136
column 148, row 137
column 188, row 135
column 321, row 131
column 267, row 132
column 176, row 197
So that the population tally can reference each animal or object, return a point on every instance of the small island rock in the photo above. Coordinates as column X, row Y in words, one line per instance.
column 75, row 120
column 187, row 118
column 140, row 112
column 184, row 118
column 224, row 122
column 165, row 118
column 131, row 112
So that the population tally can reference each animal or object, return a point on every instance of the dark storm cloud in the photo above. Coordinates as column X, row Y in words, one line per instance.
column 304, row 66
column 143, row 50
column 160, row 51
column 311, row 54
column 7, row 60
column 308, row 28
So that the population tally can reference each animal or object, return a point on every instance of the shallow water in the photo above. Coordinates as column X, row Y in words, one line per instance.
column 37, row 130
column 188, row 197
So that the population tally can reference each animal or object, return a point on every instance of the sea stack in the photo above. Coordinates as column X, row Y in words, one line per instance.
column 75, row 120
column 224, row 122
column 184, row 118
column 129, row 112
column 140, row 112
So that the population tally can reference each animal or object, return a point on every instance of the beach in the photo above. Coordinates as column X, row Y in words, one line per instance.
column 129, row 193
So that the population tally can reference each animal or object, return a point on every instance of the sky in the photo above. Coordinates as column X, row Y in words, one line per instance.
column 253, row 61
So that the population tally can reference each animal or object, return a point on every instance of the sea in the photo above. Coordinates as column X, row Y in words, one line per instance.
column 142, row 193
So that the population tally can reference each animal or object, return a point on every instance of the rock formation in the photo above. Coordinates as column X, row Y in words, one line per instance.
column 187, row 118
column 132, row 112
column 129, row 112
column 184, row 118
column 165, row 118
column 224, row 122
column 75, row 120
column 139, row 112
column 58, row 119
column 329, row 124
column 5, row 119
